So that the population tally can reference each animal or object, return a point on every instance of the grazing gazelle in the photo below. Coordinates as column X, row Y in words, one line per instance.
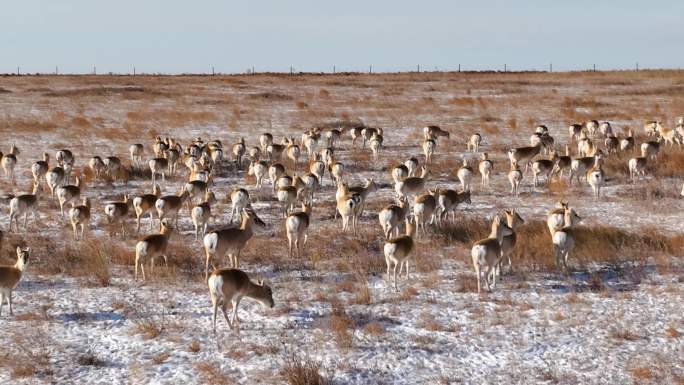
column 580, row 166
column 524, row 155
column 23, row 204
column 397, row 253
column 611, row 143
column 474, row 143
column 515, row 177
column 637, row 166
column 201, row 214
column 68, row 193
column 169, row 206
column 136, row 150
column 368, row 132
column 80, row 216
column 152, row 246
column 487, row 252
column 230, row 240
column 542, row 167
column 41, row 167
column 651, row 148
column 424, row 209
column 392, row 215
column 513, row 220
column 429, row 146
column 10, row 277
column 54, row 178
column 296, row 226
column 96, row 167
column 230, row 286
column 412, row 185
column 317, row 167
column 258, row 169
column 447, row 201
column 116, row 212
column 627, row 144
column 292, row 151
column 564, row 239
column 592, row 126
column 144, row 204
column 485, row 167
column 434, row 132
column 368, row 187
column 355, row 133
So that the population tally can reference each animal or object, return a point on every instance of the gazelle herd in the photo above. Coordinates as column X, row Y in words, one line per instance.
column 418, row 204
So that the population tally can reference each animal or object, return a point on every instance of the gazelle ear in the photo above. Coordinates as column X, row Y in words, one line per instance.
column 18, row 250
column 260, row 282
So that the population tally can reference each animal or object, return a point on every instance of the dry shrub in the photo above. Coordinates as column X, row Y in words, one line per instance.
column 212, row 374
column 624, row 334
column 374, row 328
column 194, row 346
column 301, row 105
column 323, row 93
column 342, row 326
column 147, row 322
column 642, row 373
column 302, row 370
column 465, row 283
column 160, row 358
column 81, row 122
column 25, row 355
column 672, row 332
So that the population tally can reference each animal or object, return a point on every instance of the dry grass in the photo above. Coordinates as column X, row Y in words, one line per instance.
column 213, row 374
column 301, row 369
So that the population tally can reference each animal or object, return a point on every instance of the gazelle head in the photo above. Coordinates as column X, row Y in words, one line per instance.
column 156, row 190
column 22, row 257
column 513, row 219
column 306, row 207
column 165, row 226
column 571, row 218
column 248, row 214
column 411, row 226
column 484, row 156
column 264, row 294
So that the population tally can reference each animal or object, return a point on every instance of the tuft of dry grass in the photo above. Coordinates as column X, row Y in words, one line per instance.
column 301, row 369
column 213, row 374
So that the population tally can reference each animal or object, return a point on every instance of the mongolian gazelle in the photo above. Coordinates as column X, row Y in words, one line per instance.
column 68, row 193
column 397, row 253
column 169, row 206
column 152, row 246
column 485, row 167
column 296, row 226
column 412, row 185
column 348, row 206
column 41, row 167
column 80, row 216
column 201, row 214
column 231, row 240
column 144, row 204
column 9, row 162
column 392, row 215
column 10, row 277
column 465, row 174
column 230, row 286
column 23, row 204
column 515, row 177
column 564, row 239
column 513, row 220
column 116, row 212
column 486, row 254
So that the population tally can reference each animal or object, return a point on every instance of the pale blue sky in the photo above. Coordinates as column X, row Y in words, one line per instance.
column 190, row 36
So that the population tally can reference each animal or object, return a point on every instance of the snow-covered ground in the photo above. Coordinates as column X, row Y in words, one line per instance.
column 617, row 324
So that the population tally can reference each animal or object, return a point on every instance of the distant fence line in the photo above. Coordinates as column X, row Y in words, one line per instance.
column 334, row 71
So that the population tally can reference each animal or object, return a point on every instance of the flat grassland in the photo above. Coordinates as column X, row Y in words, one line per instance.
column 617, row 318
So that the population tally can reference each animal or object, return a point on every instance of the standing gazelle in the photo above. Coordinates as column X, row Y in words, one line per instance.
column 392, row 215
column 485, row 167
column 23, row 204
column 136, row 150
column 515, row 177
column 429, row 146
column 150, row 247
column 397, row 253
column 296, row 226
column 10, row 277
column 68, row 193
column 144, row 204
column 474, row 143
column 117, row 212
column 513, row 220
column 465, row 174
column 201, row 214
column 486, row 254
column 230, row 286
column 9, row 162
column 80, row 216
column 40, row 168
column 231, row 240
column 564, row 239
